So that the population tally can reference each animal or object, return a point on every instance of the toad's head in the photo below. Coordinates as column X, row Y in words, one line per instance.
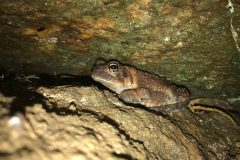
column 113, row 75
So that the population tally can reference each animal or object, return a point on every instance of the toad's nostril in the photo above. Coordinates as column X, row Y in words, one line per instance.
column 40, row 29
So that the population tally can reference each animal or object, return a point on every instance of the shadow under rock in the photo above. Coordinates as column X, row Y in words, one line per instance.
column 22, row 88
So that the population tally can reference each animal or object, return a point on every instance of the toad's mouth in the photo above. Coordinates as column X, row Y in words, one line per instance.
column 95, row 75
column 102, row 80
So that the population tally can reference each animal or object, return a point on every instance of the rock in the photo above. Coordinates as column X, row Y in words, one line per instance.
column 77, row 122
column 156, row 137
column 194, row 43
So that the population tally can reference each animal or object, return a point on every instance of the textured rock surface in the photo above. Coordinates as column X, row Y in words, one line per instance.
column 70, row 122
column 161, row 140
column 195, row 43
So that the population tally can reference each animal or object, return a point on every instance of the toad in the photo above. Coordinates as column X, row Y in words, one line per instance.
column 136, row 86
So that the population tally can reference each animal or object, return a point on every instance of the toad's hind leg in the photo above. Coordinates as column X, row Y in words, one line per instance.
column 160, row 99
column 137, row 95
column 144, row 97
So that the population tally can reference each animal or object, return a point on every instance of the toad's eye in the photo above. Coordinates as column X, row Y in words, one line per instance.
column 113, row 67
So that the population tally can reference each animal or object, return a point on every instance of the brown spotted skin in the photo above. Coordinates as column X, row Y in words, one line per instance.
column 137, row 86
